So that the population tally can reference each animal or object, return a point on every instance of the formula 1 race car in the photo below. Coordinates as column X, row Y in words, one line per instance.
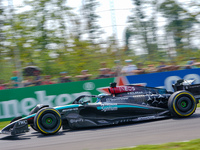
column 128, row 103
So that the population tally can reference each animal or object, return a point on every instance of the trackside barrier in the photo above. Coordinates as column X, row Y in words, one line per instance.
column 17, row 102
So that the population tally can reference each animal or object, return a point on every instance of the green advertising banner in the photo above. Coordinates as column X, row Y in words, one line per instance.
column 17, row 102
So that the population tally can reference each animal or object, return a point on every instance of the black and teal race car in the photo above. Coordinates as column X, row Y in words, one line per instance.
column 128, row 103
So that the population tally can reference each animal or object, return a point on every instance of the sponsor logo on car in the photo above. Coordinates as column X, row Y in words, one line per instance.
column 76, row 120
column 22, row 122
column 108, row 107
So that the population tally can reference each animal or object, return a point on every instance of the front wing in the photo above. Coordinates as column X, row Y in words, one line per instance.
column 16, row 127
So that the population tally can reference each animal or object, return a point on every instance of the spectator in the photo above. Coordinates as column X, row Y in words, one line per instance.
column 140, row 69
column 28, row 81
column 129, row 68
column 103, row 73
column 14, row 80
column 197, row 64
column 191, row 64
column 37, row 79
column 173, row 66
column 193, row 59
column 64, row 78
column 162, row 67
column 47, row 80
column 108, row 73
column 84, row 75
column 117, row 68
column 2, row 85
column 151, row 69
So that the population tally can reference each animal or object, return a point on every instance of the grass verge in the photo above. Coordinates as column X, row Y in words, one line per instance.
column 190, row 145
column 3, row 124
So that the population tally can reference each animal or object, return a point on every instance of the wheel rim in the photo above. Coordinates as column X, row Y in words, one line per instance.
column 183, row 104
column 48, row 121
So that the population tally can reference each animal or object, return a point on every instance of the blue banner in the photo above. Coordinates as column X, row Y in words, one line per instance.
column 165, row 79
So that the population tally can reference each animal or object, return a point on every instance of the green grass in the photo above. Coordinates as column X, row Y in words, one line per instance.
column 3, row 124
column 190, row 145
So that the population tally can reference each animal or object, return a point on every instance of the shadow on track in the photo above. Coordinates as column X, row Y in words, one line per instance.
column 29, row 136
column 59, row 133
column 194, row 116
column 36, row 134
column 15, row 138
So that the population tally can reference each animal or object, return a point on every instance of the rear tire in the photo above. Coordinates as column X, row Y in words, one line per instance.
column 48, row 121
column 182, row 104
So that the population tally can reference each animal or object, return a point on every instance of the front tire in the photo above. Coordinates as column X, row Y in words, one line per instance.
column 182, row 104
column 35, row 110
column 48, row 121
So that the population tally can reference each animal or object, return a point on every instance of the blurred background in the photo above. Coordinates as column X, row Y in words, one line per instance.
column 46, row 40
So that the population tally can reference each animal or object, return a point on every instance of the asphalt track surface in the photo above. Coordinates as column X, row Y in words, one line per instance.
column 126, row 135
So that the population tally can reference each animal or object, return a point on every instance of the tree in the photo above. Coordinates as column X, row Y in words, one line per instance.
column 92, row 27
column 142, row 26
column 128, row 34
column 5, row 67
column 179, row 22
column 45, row 30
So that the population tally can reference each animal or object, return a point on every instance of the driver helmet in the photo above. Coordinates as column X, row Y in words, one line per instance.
column 99, row 97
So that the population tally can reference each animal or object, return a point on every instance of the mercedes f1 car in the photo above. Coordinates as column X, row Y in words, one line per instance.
column 128, row 103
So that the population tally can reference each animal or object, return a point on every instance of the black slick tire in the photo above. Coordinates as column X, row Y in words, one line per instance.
column 48, row 121
column 182, row 104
